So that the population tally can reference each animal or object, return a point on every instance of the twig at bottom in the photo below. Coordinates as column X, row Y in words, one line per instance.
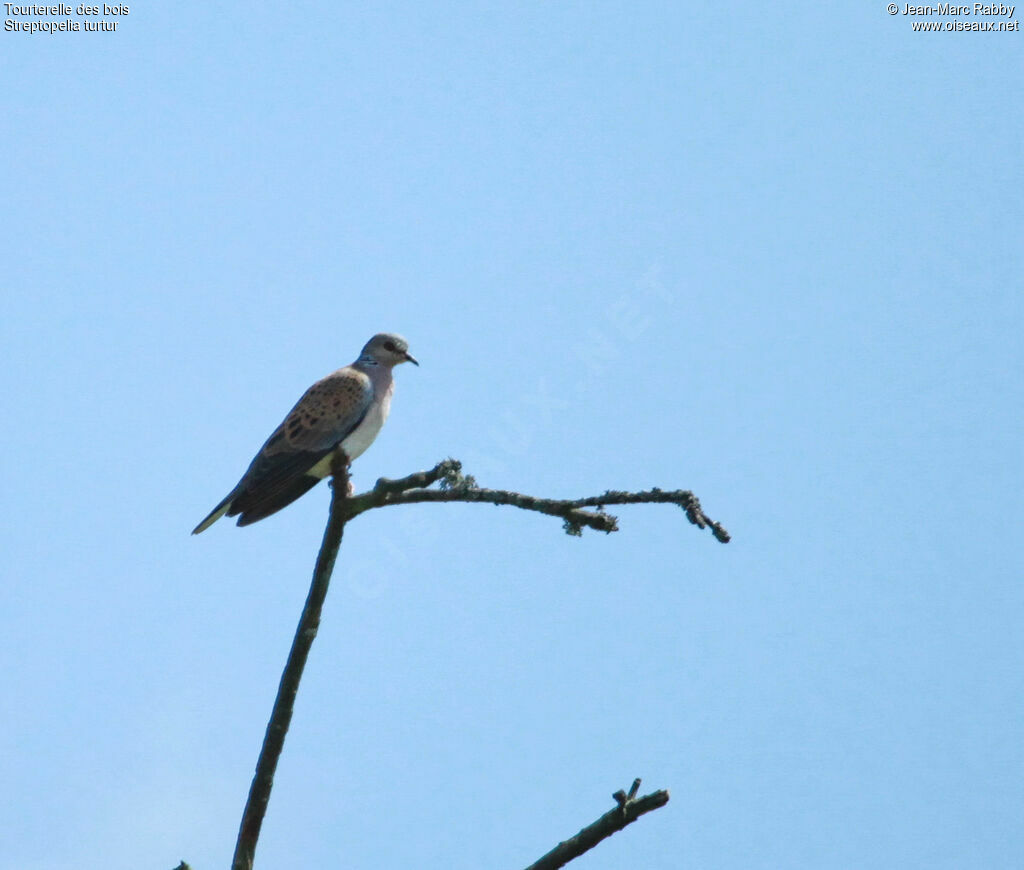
column 629, row 809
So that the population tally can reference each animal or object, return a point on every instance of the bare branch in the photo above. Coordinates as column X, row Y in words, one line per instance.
column 449, row 471
column 284, row 704
column 412, row 489
column 629, row 809
column 458, row 488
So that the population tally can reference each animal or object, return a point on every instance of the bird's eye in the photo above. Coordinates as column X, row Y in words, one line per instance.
column 389, row 345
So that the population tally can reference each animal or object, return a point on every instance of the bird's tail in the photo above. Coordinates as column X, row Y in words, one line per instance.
column 215, row 514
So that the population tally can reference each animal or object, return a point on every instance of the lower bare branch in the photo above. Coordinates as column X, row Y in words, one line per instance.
column 629, row 809
column 284, row 704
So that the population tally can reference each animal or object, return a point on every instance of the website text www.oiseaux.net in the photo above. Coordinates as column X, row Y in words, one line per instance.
column 959, row 18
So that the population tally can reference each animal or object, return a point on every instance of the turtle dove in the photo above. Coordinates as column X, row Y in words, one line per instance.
column 343, row 412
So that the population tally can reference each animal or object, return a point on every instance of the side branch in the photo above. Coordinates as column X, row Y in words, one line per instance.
column 629, row 809
column 456, row 487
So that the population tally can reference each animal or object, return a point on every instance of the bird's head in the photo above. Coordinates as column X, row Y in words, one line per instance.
column 388, row 349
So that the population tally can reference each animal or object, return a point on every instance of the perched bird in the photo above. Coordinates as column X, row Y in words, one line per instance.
column 344, row 411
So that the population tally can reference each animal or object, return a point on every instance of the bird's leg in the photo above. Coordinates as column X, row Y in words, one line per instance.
column 341, row 468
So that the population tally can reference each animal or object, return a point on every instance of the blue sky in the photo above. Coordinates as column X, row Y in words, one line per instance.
column 770, row 253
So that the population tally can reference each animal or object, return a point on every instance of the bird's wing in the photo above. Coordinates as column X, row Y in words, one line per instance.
column 326, row 414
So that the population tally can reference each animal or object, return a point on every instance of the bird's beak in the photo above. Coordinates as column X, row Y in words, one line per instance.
column 411, row 358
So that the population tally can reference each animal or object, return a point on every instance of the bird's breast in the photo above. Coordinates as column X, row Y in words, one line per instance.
column 365, row 433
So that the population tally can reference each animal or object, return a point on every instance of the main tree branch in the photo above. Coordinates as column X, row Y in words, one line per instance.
column 415, row 489
column 284, row 703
